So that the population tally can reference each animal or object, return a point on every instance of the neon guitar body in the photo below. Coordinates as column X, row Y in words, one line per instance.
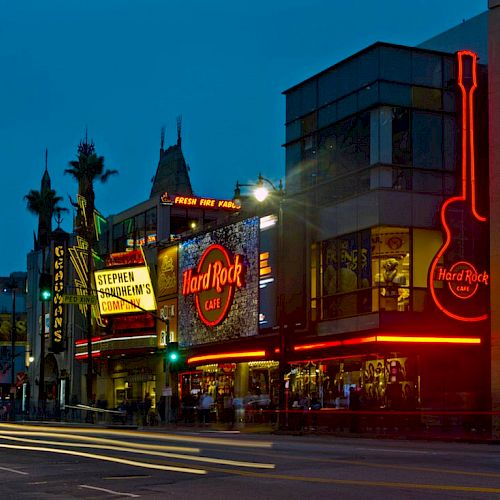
column 458, row 275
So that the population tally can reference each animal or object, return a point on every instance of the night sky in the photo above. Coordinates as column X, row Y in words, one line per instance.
column 125, row 68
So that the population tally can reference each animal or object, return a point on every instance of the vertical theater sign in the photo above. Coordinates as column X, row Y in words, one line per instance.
column 458, row 276
column 57, row 330
column 219, row 284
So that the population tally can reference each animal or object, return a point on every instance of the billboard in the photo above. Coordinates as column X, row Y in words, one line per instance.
column 219, row 284
column 130, row 283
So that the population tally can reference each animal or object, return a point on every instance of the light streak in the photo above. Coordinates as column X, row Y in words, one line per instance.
column 105, row 458
column 192, row 458
column 145, row 435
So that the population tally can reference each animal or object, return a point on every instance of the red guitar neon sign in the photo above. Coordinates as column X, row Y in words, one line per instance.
column 461, row 279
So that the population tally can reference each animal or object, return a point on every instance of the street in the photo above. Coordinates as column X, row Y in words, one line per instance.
column 64, row 462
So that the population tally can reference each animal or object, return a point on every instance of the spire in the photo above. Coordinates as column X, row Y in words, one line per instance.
column 46, row 177
column 179, row 129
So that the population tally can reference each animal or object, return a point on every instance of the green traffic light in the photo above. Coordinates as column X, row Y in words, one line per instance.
column 46, row 294
column 173, row 356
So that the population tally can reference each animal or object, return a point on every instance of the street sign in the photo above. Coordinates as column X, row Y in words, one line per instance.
column 80, row 299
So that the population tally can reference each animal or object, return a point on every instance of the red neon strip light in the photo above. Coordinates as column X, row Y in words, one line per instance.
column 321, row 345
column 390, row 338
column 227, row 355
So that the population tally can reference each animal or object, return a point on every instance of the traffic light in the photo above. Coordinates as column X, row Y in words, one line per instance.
column 45, row 287
column 173, row 352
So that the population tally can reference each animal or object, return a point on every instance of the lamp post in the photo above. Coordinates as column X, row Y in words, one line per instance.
column 261, row 193
column 11, row 286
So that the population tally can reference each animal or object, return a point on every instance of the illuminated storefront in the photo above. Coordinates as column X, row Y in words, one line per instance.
column 397, row 231
column 227, row 313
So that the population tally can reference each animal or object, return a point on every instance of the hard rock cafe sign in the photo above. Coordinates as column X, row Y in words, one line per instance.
column 462, row 279
column 214, row 282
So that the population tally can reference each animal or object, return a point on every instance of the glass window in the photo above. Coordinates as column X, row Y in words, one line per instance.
column 426, row 69
column 347, row 106
column 293, row 130
column 395, row 93
column 327, row 115
column 401, row 137
column 368, row 96
column 425, row 98
column 395, row 64
column 293, row 156
column 346, row 269
column 390, row 262
column 427, row 140
column 301, row 101
column 368, row 70
column 450, row 142
column 309, row 124
column 344, row 147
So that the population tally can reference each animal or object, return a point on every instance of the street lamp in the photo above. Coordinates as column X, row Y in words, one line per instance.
column 261, row 193
column 11, row 286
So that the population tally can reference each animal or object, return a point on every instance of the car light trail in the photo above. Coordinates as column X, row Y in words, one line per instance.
column 146, row 435
column 193, row 458
column 96, row 440
column 106, row 458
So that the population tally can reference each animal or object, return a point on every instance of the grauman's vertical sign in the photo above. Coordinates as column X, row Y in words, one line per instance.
column 58, row 273
column 213, row 283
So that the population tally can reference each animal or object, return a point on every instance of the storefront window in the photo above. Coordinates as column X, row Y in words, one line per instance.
column 366, row 383
column 391, row 268
column 346, row 270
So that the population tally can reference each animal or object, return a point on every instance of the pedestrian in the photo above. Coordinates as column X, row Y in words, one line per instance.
column 146, row 407
column 206, row 403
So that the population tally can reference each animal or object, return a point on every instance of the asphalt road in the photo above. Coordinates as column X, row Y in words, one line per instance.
column 39, row 462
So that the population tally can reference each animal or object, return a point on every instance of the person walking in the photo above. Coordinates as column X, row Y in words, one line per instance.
column 206, row 404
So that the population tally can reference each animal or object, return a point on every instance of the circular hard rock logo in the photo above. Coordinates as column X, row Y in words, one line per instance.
column 463, row 279
column 213, row 283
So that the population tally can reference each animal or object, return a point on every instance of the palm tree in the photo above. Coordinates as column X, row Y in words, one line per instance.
column 43, row 204
column 86, row 169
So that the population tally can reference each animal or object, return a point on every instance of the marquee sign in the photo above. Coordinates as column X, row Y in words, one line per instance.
column 198, row 202
column 213, row 283
column 130, row 283
column 458, row 281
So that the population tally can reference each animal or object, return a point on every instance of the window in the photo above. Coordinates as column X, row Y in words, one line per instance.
column 301, row 100
column 345, row 269
column 427, row 138
column 426, row 69
column 401, row 143
column 344, row 147
column 390, row 263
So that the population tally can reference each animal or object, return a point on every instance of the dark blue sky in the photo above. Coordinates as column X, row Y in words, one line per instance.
column 124, row 68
